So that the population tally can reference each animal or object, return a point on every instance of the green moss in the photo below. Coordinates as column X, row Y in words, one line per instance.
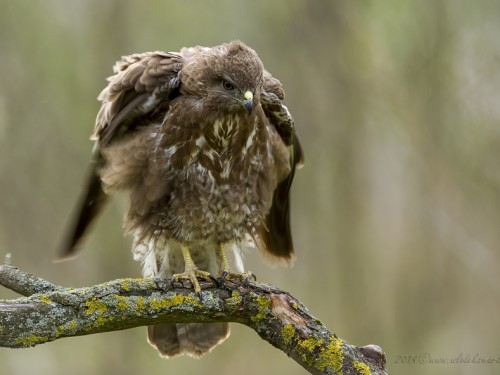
column 262, row 309
column 102, row 320
column 362, row 368
column 32, row 340
column 287, row 332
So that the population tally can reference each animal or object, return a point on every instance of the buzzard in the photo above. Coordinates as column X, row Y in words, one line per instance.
column 202, row 142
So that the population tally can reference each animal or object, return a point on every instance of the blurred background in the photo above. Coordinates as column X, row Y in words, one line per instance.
column 396, row 213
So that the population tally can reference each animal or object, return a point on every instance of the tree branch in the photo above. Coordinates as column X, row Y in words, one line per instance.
column 49, row 312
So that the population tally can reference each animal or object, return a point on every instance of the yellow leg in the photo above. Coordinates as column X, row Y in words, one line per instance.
column 227, row 274
column 191, row 272
column 225, row 264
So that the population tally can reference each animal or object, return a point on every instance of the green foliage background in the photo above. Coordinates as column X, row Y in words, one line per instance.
column 396, row 214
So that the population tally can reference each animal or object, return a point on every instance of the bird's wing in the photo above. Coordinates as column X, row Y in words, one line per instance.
column 141, row 86
column 189, row 52
column 137, row 94
column 277, row 239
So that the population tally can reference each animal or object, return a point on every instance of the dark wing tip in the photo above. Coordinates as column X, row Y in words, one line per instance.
column 89, row 206
column 275, row 241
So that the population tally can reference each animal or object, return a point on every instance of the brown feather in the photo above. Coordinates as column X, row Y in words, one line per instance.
column 207, row 151
column 90, row 204
column 193, row 339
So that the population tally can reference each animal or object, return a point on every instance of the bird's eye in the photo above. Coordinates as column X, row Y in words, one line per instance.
column 227, row 85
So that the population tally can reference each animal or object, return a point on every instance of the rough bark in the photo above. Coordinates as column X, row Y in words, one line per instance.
column 49, row 312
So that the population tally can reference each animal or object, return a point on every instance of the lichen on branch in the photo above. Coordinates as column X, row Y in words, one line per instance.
column 49, row 312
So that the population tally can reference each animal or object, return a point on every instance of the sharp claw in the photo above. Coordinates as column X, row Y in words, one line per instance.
column 214, row 279
column 250, row 276
column 223, row 276
column 192, row 276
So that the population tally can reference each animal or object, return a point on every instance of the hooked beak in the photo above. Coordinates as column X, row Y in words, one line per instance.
column 248, row 102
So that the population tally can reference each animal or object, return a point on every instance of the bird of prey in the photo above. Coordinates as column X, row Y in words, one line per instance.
column 206, row 149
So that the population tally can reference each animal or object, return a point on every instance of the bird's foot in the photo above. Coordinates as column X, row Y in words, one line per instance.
column 192, row 275
column 246, row 277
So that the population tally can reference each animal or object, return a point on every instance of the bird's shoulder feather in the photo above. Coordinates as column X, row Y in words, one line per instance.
column 140, row 84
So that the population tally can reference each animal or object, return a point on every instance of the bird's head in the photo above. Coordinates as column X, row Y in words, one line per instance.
column 226, row 78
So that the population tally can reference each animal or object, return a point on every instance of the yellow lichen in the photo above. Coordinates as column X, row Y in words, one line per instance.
column 94, row 306
column 332, row 355
column 46, row 300
column 71, row 325
column 98, row 309
column 172, row 301
column 140, row 304
column 125, row 285
column 235, row 299
column 262, row 309
column 311, row 343
column 100, row 320
column 287, row 332
column 362, row 368
column 59, row 330
column 32, row 340
column 122, row 304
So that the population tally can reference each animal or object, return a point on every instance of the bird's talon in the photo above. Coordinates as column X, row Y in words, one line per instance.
column 192, row 275
column 244, row 277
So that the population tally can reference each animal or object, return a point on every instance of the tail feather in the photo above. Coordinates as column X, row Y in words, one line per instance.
column 193, row 339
